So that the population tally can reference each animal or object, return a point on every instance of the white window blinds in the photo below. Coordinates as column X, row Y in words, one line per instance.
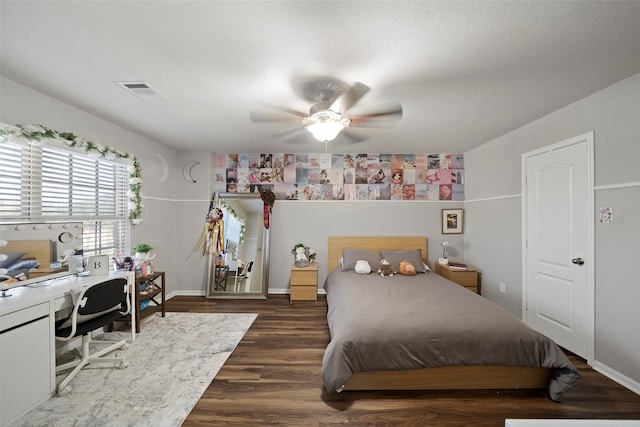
column 43, row 183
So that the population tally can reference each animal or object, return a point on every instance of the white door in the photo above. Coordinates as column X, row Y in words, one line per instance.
column 558, row 291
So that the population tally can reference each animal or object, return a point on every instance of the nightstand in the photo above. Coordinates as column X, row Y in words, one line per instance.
column 467, row 278
column 304, row 283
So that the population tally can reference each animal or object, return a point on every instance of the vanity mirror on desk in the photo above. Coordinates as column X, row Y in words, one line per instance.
column 242, row 270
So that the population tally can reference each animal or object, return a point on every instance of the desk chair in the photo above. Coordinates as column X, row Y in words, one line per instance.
column 95, row 307
column 244, row 274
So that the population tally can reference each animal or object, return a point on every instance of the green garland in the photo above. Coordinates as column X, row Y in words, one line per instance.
column 237, row 217
column 40, row 134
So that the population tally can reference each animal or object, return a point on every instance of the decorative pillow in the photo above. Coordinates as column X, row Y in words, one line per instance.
column 414, row 256
column 9, row 258
column 351, row 256
column 26, row 264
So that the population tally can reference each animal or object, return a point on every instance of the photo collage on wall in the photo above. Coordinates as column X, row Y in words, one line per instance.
column 329, row 176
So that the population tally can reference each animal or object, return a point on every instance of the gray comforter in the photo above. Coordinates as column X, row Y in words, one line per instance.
column 411, row 322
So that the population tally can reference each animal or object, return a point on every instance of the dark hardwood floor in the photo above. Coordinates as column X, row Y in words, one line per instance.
column 273, row 378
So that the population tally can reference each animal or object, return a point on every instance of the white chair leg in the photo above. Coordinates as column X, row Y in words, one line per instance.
column 88, row 358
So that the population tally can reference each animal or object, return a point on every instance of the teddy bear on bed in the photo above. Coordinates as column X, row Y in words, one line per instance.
column 407, row 268
column 385, row 269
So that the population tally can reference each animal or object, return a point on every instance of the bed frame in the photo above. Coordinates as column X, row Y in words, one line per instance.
column 445, row 378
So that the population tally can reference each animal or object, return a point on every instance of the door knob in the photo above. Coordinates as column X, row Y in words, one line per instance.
column 578, row 261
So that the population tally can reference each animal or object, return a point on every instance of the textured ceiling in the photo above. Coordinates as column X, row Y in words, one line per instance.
column 465, row 72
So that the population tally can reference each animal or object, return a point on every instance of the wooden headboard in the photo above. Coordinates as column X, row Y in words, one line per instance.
column 394, row 243
column 38, row 249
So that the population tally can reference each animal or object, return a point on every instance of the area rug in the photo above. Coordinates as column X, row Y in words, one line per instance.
column 171, row 363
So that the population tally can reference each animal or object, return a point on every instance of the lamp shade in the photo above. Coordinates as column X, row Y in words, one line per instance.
column 325, row 125
column 326, row 131
column 444, row 244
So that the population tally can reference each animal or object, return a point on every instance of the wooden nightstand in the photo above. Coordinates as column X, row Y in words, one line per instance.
column 467, row 278
column 304, row 283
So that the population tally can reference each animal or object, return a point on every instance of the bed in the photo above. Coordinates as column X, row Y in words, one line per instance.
column 425, row 332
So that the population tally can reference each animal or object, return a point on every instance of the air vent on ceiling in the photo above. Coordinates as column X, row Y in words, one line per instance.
column 143, row 90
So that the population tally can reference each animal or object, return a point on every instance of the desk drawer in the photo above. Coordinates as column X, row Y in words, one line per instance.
column 25, row 361
column 26, row 315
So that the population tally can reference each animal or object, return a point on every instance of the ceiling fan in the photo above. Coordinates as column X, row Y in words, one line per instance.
column 328, row 115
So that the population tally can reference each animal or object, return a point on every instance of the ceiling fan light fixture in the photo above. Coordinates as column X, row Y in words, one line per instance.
column 326, row 125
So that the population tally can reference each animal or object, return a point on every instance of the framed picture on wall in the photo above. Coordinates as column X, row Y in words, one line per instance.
column 452, row 221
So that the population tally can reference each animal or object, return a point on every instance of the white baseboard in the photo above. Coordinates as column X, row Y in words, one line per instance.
column 278, row 291
column 616, row 376
column 287, row 291
column 185, row 294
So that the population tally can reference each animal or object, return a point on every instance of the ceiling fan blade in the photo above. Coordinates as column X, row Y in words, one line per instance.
column 348, row 136
column 349, row 98
column 388, row 117
column 289, row 133
column 276, row 113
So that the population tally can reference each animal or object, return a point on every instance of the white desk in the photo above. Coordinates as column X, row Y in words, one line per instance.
column 27, row 341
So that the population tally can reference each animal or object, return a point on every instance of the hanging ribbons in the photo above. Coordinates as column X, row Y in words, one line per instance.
column 212, row 237
column 269, row 198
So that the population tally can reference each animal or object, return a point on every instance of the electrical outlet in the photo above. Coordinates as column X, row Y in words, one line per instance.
column 503, row 288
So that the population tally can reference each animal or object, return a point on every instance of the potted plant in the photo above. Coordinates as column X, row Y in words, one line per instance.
column 142, row 248
column 141, row 251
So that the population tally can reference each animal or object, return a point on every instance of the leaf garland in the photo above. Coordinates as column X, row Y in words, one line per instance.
column 238, row 218
column 38, row 134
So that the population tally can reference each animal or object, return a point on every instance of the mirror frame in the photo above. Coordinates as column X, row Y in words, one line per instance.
column 265, row 258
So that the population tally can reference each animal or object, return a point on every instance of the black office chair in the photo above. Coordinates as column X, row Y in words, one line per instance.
column 95, row 307
column 245, row 273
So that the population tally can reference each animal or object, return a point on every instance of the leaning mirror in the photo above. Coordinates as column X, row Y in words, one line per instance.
column 242, row 270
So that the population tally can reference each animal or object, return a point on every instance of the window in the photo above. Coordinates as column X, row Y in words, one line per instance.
column 46, row 183
column 232, row 227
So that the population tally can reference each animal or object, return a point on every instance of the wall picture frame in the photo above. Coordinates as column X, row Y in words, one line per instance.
column 452, row 221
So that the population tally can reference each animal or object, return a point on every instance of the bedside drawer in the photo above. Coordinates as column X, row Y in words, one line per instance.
column 304, row 293
column 299, row 277
column 464, row 278
column 468, row 278
column 304, row 283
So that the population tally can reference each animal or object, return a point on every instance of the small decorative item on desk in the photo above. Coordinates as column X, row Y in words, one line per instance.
column 121, row 262
column 303, row 255
column 219, row 260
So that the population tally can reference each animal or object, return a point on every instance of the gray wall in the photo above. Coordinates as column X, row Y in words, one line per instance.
column 493, row 215
column 311, row 222
column 21, row 105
